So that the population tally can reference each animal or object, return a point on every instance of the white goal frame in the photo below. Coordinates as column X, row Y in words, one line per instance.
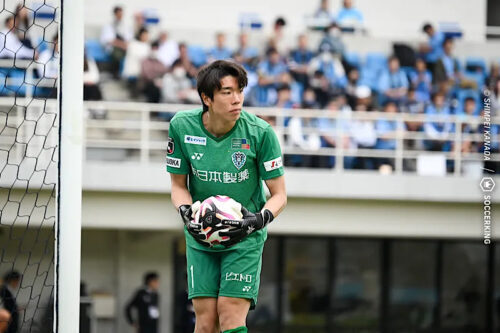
column 69, row 185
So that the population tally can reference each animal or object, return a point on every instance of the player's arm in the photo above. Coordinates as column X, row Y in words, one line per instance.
column 180, row 193
column 277, row 202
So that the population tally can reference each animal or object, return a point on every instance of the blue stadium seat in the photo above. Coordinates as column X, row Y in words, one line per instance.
column 353, row 59
column 16, row 82
column 197, row 54
column 96, row 51
column 376, row 60
column 462, row 94
column 476, row 62
column 3, row 77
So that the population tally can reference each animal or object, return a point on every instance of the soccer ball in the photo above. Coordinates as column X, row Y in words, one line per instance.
column 211, row 213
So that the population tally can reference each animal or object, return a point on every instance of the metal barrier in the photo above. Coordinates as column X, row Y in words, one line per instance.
column 135, row 132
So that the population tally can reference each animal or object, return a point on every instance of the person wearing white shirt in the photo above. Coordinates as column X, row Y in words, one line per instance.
column 168, row 51
column 137, row 50
column 115, row 37
column 10, row 45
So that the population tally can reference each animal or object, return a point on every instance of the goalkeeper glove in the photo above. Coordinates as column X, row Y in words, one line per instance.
column 249, row 223
column 187, row 213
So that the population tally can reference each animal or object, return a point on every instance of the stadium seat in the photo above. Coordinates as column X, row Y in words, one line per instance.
column 474, row 63
column 477, row 77
column 16, row 82
column 197, row 54
column 376, row 60
column 353, row 59
column 96, row 51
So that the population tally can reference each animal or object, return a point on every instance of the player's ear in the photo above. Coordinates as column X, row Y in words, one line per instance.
column 206, row 100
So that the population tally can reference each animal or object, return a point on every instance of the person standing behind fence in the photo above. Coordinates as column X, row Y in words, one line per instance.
column 8, row 293
column 145, row 301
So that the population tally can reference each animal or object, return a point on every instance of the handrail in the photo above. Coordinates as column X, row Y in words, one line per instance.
column 132, row 127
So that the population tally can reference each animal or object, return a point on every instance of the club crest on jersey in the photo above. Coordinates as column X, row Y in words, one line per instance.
column 239, row 159
column 170, row 146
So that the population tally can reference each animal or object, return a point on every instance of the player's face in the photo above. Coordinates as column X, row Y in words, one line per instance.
column 227, row 101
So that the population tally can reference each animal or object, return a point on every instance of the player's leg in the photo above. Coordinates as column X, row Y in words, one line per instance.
column 233, row 313
column 205, row 309
column 203, row 278
column 239, row 288
column 4, row 320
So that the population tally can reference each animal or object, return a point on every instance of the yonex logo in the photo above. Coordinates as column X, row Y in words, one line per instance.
column 197, row 156
column 247, row 288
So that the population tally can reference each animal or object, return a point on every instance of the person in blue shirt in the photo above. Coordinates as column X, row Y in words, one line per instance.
column 433, row 50
column 435, row 130
column 247, row 52
column 262, row 94
column 349, row 16
column 220, row 51
column 299, row 60
column 393, row 83
column 421, row 81
column 270, row 68
column 324, row 12
column 386, row 130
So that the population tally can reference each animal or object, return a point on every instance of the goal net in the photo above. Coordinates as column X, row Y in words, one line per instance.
column 29, row 172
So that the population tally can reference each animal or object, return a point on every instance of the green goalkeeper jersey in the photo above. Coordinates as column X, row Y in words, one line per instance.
column 234, row 165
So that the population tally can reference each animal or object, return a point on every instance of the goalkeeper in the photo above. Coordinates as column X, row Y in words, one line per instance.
column 221, row 149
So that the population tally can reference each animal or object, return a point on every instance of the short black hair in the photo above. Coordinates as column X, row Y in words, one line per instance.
column 209, row 77
column 155, row 44
column 12, row 276
column 280, row 21
column 469, row 99
column 116, row 9
column 150, row 276
column 140, row 32
column 426, row 27
column 447, row 40
column 283, row 86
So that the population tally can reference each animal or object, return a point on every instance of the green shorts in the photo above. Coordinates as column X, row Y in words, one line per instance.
column 233, row 273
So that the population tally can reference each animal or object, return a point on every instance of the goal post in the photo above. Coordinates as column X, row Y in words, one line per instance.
column 69, row 194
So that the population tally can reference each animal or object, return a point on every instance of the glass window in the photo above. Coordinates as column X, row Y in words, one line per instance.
column 305, row 290
column 464, row 287
column 356, row 296
column 264, row 319
column 412, row 292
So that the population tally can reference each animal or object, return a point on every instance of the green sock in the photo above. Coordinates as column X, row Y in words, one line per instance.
column 241, row 329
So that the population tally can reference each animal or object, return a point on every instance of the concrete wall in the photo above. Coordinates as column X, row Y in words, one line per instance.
column 113, row 264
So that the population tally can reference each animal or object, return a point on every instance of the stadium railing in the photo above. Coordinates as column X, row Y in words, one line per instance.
column 137, row 132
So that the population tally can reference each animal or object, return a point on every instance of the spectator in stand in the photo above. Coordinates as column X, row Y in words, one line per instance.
column 330, row 64
column 301, row 134
column 321, row 87
column 23, row 23
column 393, row 83
column 145, row 302
column 433, row 49
column 177, row 86
column 351, row 87
column 186, row 62
column 48, row 68
column 168, row 51
column 386, row 131
column 348, row 16
column 91, row 77
column 277, row 38
column 364, row 136
column 284, row 99
column 152, row 71
column 262, row 94
column 437, row 131
column 137, row 50
column 421, row 81
column 8, row 295
column 413, row 106
column 447, row 73
column 363, row 95
column 247, row 53
column 299, row 61
column 470, row 110
column 220, row 51
column 115, row 37
column 295, row 88
column 331, row 41
column 324, row 12
column 10, row 44
column 272, row 67
column 493, row 77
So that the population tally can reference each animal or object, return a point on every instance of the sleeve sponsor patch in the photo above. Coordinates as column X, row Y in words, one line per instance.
column 273, row 164
column 174, row 162
column 170, row 146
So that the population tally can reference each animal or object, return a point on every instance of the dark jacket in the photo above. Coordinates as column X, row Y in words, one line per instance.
column 146, row 304
column 9, row 303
